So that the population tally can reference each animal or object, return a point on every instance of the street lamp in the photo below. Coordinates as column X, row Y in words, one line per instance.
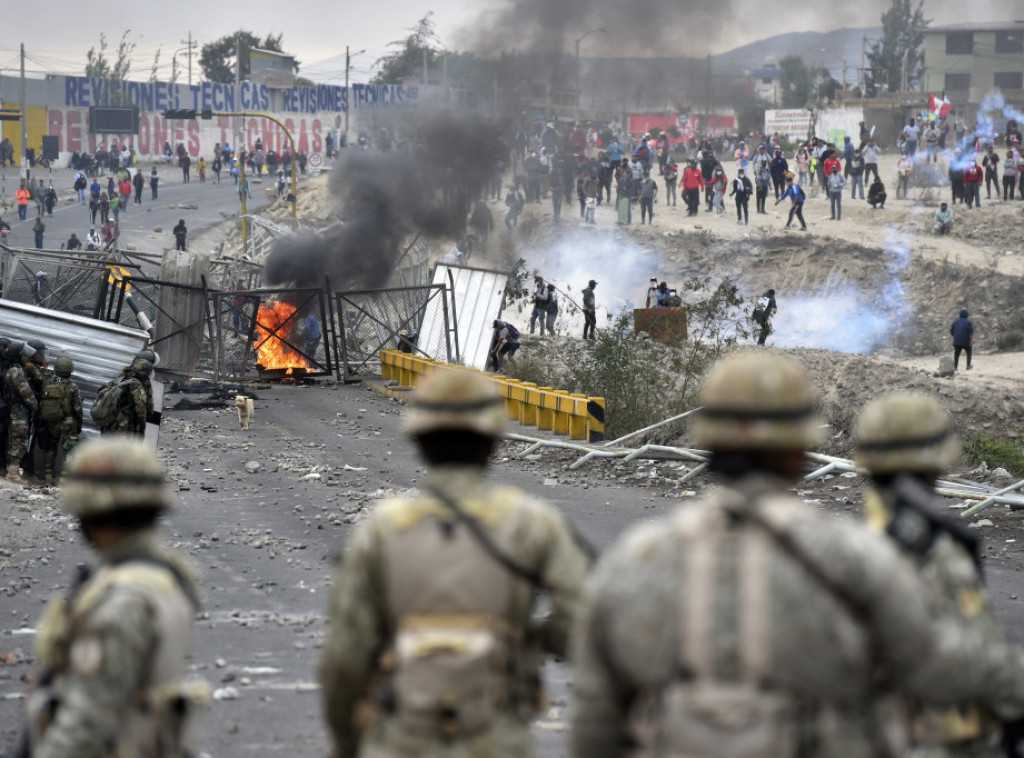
column 348, row 65
column 837, row 55
column 578, row 41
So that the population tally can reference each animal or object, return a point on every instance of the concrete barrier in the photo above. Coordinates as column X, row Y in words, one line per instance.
column 574, row 415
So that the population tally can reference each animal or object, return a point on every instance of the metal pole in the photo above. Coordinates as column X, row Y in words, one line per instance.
column 348, row 62
column 990, row 500
column 26, row 169
column 649, row 428
column 578, row 78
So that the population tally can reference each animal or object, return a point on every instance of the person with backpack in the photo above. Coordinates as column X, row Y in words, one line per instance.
column 22, row 387
column 551, row 308
column 797, row 198
column 60, row 415
column 505, row 343
column 123, row 405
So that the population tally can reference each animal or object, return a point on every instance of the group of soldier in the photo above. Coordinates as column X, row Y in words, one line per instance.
column 41, row 409
column 745, row 625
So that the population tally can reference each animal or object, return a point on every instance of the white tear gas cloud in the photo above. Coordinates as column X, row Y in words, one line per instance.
column 620, row 266
column 386, row 198
column 844, row 317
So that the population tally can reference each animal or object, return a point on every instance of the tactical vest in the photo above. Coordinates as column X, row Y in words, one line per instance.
column 456, row 657
column 726, row 699
column 160, row 719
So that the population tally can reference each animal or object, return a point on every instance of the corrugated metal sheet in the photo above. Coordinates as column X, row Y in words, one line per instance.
column 99, row 349
column 477, row 294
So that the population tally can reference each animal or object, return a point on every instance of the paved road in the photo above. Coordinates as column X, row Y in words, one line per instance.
column 138, row 223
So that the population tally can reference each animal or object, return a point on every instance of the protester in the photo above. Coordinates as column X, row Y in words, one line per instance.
column 836, row 185
column 797, row 197
column 904, row 165
column 972, row 184
column 943, row 220
column 180, row 235
column 589, row 311
column 876, row 193
column 962, row 332
column 742, row 190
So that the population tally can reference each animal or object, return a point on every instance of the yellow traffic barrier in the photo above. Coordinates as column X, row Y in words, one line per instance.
column 528, row 410
column 562, row 408
column 545, row 409
column 577, row 420
column 595, row 419
column 576, row 415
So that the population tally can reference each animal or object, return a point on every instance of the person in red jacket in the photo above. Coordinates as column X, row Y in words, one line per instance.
column 830, row 162
column 693, row 184
column 973, row 178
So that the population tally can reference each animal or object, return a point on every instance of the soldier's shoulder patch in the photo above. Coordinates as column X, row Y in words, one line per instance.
column 86, row 655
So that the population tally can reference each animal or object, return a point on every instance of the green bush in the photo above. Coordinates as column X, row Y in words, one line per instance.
column 996, row 450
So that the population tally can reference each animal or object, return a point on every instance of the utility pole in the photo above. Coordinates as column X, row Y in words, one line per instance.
column 24, row 124
column 238, row 86
column 190, row 47
column 348, row 102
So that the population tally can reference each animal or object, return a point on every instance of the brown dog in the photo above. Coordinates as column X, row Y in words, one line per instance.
column 245, row 411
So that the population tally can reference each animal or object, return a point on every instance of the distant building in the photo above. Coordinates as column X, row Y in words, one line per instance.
column 967, row 61
column 766, row 81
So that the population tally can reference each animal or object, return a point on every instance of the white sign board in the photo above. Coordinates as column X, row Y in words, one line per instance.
column 794, row 122
column 833, row 125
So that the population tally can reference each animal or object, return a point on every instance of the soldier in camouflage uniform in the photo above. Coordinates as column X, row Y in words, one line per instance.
column 136, row 403
column 64, row 433
column 22, row 383
column 5, row 405
column 432, row 648
column 746, row 625
column 112, row 653
column 906, row 442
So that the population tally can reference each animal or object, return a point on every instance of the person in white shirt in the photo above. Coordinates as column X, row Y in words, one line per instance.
column 93, row 241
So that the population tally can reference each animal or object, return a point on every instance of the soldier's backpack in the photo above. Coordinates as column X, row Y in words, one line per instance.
column 108, row 403
column 54, row 401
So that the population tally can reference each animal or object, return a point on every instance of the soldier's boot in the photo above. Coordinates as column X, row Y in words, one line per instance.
column 14, row 475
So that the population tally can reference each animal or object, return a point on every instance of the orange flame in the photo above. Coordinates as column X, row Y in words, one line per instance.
column 271, row 351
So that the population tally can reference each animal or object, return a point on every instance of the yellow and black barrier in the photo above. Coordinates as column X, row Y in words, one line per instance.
column 574, row 415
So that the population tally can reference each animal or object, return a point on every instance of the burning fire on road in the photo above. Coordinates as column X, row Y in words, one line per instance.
column 275, row 323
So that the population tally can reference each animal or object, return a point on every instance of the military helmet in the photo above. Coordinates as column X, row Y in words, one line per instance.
column 4, row 342
column 64, row 366
column 13, row 351
column 112, row 473
column 35, row 351
column 905, row 431
column 757, row 401
column 457, row 399
column 149, row 355
column 141, row 367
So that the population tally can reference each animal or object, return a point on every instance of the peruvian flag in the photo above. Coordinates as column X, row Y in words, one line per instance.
column 940, row 108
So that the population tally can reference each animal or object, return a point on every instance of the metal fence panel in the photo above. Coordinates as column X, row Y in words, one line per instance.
column 370, row 320
column 477, row 296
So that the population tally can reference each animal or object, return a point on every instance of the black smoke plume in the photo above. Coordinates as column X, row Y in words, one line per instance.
column 387, row 198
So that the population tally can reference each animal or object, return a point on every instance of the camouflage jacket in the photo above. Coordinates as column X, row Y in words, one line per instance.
column 20, row 390
column 134, row 407
column 73, row 423
column 955, row 590
column 114, row 654
column 827, row 625
column 363, row 623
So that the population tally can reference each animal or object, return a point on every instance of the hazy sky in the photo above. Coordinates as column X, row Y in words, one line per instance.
column 316, row 31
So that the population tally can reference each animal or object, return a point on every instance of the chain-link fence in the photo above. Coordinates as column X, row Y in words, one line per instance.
column 272, row 333
column 370, row 320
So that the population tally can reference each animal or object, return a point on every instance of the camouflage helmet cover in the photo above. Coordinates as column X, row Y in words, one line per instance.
column 757, row 401
column 457, row 399
column 64, row 366
column 905, row 431
column 142, row 367
column 116, row 472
